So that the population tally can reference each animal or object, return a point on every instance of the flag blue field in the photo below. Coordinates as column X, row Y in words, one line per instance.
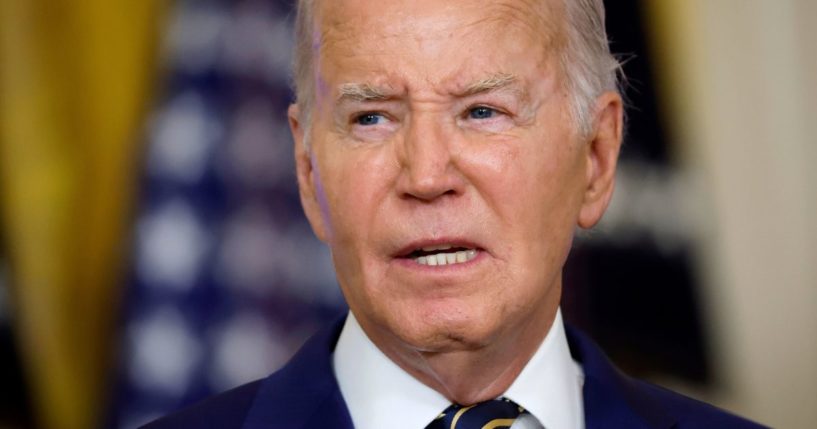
column 227, row 279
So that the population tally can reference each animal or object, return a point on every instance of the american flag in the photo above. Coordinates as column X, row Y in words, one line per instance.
column 227, row 278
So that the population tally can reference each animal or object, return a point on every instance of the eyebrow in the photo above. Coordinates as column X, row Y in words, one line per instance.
column 490, row 83
column 361, row 92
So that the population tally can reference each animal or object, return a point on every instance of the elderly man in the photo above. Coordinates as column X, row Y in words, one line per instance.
column 446, row 150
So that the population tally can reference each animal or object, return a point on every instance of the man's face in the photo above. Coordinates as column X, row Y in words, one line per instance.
column 444, row 170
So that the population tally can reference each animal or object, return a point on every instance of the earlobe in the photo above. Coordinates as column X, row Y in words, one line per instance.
column 308, row 181
column 602, row 158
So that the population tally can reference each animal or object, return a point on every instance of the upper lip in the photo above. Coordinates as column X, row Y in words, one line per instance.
column 419, row 244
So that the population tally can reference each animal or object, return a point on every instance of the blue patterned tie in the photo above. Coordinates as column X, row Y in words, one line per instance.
column 497, row 413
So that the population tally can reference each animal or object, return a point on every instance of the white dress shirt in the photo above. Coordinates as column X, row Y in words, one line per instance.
column 380, row 394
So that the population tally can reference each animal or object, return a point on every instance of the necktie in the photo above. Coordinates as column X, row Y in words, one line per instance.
column 497, row 413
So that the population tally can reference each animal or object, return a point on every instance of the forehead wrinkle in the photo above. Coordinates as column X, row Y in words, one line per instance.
column 338, row 32
column 539, row 18
column 337, row 29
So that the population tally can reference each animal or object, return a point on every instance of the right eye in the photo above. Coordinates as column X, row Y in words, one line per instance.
column 372, row 126
column 482, row 112
column 369, row 119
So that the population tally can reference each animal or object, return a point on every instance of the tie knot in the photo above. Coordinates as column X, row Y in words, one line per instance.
column 497, row 413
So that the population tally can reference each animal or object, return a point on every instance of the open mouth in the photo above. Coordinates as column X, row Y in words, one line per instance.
column 445, row 254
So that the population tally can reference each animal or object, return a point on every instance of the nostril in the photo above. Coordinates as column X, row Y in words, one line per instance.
column 428, row 196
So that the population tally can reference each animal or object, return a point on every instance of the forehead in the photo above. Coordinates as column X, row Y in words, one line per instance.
column 345, row 16
column 357, row 32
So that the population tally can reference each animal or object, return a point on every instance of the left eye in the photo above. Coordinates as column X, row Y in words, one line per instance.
column 481, row 112
column 368, row 119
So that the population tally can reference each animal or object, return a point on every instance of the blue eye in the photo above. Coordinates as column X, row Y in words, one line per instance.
column 368, row 119
column 481, row 112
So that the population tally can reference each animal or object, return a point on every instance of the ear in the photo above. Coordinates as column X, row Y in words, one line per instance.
column 309, row 186
column 602, row 157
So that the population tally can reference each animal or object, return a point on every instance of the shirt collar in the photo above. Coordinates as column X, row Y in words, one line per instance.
column 550, row 385
column 380, row 394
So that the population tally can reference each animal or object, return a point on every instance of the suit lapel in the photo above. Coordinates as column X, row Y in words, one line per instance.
column 612, row 399
column 304, row 394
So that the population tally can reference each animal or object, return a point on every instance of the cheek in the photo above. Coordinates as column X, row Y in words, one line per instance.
column 556, row 192
column 535, row 189
column 531, row 179
column 323, row 202
column 348, row 214
column 355, row 187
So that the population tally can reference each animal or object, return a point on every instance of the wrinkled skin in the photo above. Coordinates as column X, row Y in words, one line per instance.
column 456, row 130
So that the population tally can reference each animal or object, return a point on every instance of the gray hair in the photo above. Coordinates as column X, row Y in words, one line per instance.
column 588, row 66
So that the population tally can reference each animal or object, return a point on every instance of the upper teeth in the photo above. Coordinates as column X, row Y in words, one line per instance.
column 446, row 258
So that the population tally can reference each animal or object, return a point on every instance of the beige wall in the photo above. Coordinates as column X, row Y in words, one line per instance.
column 740, row 80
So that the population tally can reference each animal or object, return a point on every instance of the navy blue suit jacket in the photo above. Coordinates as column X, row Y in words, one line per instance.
column 304, row 394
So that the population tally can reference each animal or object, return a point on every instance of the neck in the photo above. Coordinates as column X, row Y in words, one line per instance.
column 469, row 376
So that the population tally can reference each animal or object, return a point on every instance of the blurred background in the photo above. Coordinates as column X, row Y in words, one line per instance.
column 153, row 250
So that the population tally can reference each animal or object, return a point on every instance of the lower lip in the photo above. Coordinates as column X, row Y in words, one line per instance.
column 412, row 264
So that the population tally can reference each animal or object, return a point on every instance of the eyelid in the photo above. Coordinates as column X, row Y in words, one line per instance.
column 357, row 115
column 496, row 109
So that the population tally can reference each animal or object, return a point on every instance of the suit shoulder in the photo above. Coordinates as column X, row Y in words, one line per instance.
column 224, row 411
column 692, row 413
column 611, row 395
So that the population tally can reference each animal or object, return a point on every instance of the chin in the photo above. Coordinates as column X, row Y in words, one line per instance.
column 443, row 329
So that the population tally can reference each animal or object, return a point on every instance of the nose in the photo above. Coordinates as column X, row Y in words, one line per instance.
column 428, row 164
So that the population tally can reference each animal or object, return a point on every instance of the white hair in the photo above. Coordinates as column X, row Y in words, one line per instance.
column 588, row 67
